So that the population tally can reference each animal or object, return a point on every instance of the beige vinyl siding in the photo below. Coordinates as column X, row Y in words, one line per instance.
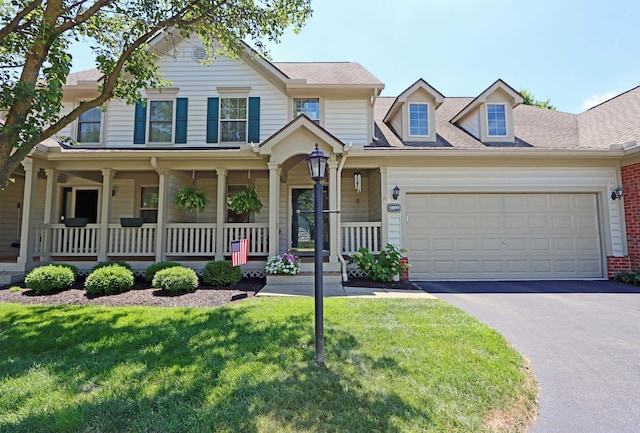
column 597, row 180
column 261, row 184
column 210, row 186
column 175, row 215
column 11, row 217
column 37, row 202
column 119, row 124
column 67, row 131
column 354, row 206
column 347, row 120
column 396, row 123
column 375, row 196
column 471, row 124
column 123, row 203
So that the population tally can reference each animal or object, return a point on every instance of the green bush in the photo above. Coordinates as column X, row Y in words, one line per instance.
column 150, row 272
column 74, row 269
column 380, row 268
column 111, row 262
column 221, row 273
column 49, row 278
column 109, row 279
column 631, row 277
column 176, row 279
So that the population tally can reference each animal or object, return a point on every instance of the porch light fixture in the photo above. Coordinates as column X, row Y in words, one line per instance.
column 396, row 192
column 357, row 179
column 317, row 161
column 617, row 193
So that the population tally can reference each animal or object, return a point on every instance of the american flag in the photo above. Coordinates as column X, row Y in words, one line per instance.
column 239, row 252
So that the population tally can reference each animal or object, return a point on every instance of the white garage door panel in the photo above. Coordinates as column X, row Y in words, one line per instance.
column 503, row 236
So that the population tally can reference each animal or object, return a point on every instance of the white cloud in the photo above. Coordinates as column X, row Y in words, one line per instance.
column 594, row 100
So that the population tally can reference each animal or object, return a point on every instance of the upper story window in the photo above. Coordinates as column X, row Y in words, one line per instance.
column 419, row 119
column 307, row 106
column 149, row 203
column 160, row 121
column 233, row 119
column 496, row 120
column 89, row 126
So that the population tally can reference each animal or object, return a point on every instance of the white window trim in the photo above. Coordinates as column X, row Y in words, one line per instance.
column 428, row 134
column 76, row 125
column 506, row 120
column 148, row 121
column 320, row 107
column 231, row 95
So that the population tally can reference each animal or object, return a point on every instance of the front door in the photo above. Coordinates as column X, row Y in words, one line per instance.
column 303, row 223
column 87, row 204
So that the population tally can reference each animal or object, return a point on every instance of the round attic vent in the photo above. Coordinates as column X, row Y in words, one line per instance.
column 199, row 53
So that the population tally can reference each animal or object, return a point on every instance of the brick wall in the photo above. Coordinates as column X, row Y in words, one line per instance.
column 631, row 201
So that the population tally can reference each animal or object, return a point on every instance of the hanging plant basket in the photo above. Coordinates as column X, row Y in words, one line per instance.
column 191, row 198
column 245, row 201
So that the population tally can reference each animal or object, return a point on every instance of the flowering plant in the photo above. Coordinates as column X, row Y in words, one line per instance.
column 381, row 268
column 284, row 264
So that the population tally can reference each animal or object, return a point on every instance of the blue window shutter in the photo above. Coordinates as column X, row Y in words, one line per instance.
column 253, row 134
column 140, row 122
column 181, row 120
column 213, row 105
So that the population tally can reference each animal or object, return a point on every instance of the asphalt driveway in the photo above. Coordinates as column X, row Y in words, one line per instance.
column 582, row 337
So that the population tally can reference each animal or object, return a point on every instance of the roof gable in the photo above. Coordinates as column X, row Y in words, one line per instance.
column 402, row 98
column 482, row 98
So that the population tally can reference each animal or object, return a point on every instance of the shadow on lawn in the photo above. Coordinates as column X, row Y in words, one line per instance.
column 214, row 370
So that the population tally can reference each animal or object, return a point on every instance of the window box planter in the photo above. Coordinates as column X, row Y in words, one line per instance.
column 75, row 222
column 131, row 222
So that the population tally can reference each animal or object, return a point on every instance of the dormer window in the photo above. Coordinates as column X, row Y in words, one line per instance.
column 310, row 107
column 496, row 120
column 419, row 120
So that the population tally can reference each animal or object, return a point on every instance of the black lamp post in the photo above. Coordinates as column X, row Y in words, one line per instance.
column 317, row 161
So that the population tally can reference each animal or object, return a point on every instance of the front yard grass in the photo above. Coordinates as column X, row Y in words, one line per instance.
column 391, row 366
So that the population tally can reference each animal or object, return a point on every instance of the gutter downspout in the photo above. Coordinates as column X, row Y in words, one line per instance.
column 343, row 262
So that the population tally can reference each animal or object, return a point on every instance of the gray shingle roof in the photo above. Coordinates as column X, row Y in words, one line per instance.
column 92, row 75
column 328, row 72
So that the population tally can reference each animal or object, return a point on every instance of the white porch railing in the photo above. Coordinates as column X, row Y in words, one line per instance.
column 132, row 241
column 360, row 235
column 256, row 233
column 68, row 241
column 191, row 239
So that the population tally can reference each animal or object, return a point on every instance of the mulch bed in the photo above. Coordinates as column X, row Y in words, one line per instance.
column 140, row 295
column 143, row 295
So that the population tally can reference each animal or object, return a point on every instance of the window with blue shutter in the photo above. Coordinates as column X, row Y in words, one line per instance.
column 140, row 120
column 253, row 133
column 181, row 120
column 212, row 119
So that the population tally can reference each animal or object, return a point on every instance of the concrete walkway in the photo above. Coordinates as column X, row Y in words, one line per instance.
column 332, row 291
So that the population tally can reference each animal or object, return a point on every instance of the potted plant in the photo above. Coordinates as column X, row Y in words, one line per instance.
column 284, row 264
column 245, row 201
column 191, row 198
column 76, row 222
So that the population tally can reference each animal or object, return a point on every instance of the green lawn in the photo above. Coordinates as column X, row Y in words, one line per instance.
column 391, row 366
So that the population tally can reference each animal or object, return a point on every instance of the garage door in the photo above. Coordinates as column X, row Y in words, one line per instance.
column 503, row 236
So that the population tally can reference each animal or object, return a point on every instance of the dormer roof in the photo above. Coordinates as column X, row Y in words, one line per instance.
column 402, row 98
column 482, row 98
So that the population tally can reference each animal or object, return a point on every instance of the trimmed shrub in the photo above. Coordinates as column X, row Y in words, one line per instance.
column 176, row 279
column 151, row 270
column 109, row 279
column 221, row 273
column 49, row 278
column 111, row 262
column 74, row 269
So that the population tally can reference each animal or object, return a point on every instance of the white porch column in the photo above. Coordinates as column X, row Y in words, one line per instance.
column 384, row 190
column 49, row 210
column 274, row 206
column 220, row 211
column 333, row 205
column 27, row 246
column 105, row 212
column 163, row 202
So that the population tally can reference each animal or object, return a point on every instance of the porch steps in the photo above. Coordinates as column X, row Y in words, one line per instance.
column 303, row 284
column 305, row 279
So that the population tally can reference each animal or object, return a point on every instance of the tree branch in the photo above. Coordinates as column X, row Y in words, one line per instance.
column 14, row 24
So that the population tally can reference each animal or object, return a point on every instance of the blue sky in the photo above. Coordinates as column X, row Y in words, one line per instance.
column 578, row 53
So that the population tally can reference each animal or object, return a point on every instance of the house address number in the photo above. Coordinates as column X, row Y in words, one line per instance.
column 393, row 207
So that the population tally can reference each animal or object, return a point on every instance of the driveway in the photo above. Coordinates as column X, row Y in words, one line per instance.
column 582, row 337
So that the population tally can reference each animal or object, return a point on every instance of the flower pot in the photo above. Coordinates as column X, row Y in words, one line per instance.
column 75, row 222
column 131, row 222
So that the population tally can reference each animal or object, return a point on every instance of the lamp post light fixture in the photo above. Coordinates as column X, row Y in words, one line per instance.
column 317, row 161
column 617, row 193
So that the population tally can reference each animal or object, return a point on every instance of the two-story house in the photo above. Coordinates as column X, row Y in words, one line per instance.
column 474, row 188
